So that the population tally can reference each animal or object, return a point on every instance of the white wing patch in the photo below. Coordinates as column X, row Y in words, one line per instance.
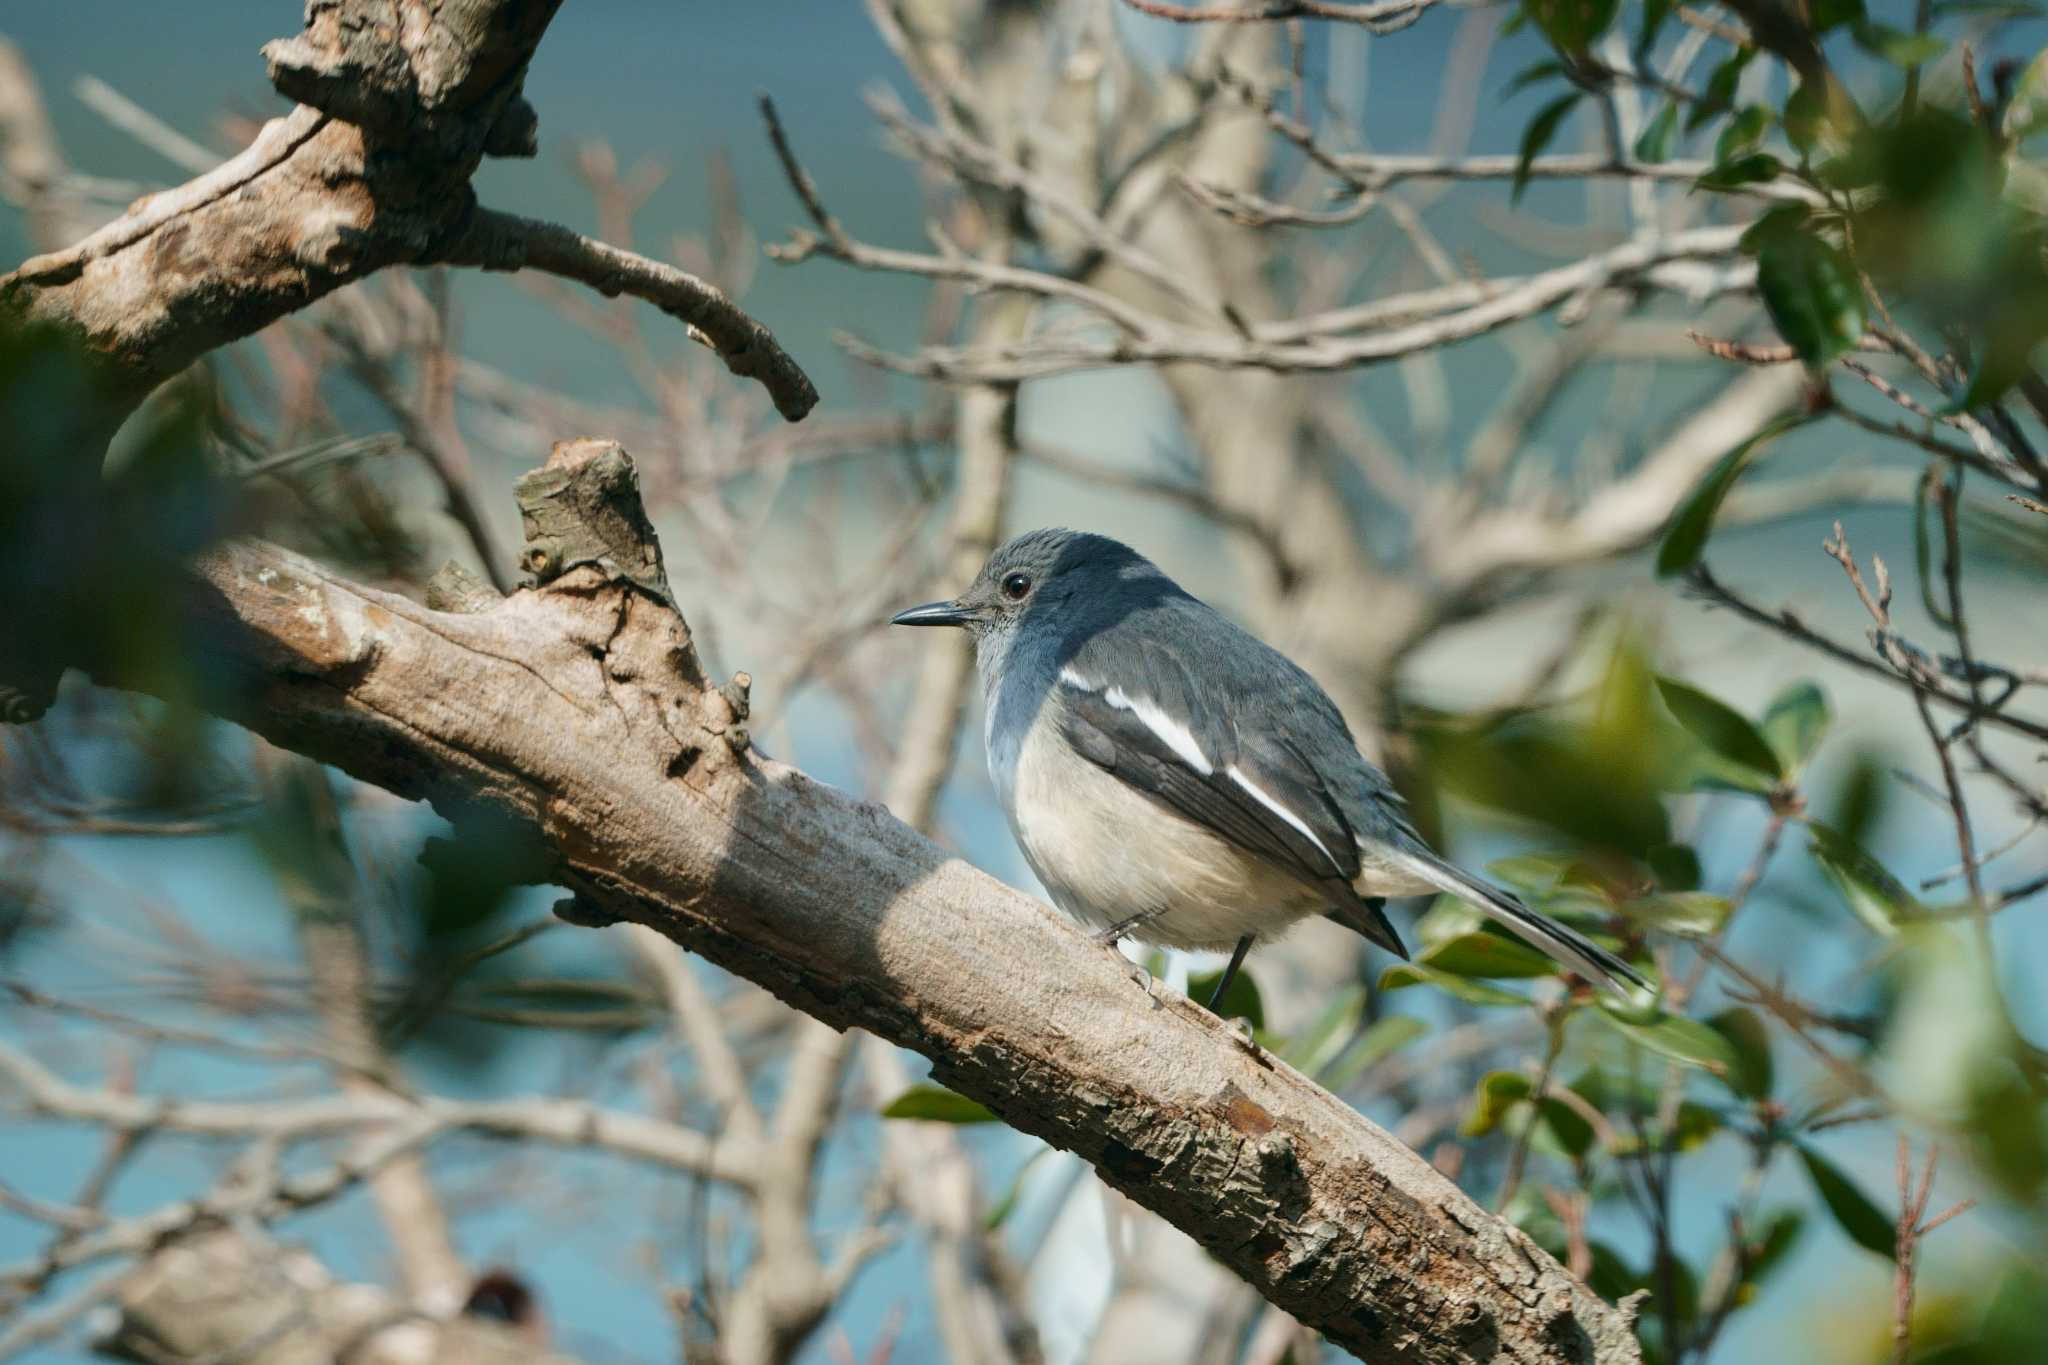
column 1266, row 799
column 1171, row 732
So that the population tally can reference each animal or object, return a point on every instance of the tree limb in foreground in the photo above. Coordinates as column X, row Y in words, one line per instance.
column 579, row 709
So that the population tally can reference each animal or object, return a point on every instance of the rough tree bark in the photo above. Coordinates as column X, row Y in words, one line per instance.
column 580, row 709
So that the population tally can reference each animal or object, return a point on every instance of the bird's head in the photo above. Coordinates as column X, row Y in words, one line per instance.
column 1041, row 574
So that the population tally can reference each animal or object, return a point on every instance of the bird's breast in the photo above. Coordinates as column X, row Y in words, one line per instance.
column 1107, row 852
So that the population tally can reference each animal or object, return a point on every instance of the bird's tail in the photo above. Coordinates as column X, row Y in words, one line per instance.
column 1367, row 915
column 1564, row 945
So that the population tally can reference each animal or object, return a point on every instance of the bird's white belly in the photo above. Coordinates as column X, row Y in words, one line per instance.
column 1107, row 852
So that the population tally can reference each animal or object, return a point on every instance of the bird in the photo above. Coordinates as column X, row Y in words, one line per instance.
column 1171, row 778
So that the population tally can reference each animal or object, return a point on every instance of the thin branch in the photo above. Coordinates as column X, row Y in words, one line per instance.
column 1381, row 16
column 1788, row 623
column 569, row 1123
column 1495, row 304
column 145, row 127
column 505, row 241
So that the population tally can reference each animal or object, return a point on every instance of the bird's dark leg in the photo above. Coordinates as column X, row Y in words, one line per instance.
column 1244, row 945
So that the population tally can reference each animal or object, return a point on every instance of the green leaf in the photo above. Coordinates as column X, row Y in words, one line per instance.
column 1743, row 132
column 1776, row 219
column 1567, row 1127
column 1007, row 1205
column 1895, row 45
column 1750, row 1042
column 1768, row 1247
column 1489, row 955
column 1693, row 522
column 1866, row 1225
column 1720, row 727
column 1572, row 24
column 1402, row 975
column 1720, row 91
column 1241, row 1001
column 1534, row 874
column 1381, row 1040
column 1676, row 866
column 1316, row 1046
column 2009, row 342
column 1655, row 12
column 1537, row 136
column 1496, row 1093
column 1923, row 554
column 1829, row 14
column 1653, row 144
column 2027, row 111
column 1554, row 1127
column 938, row 1105
column 1753, row 169
column 1811, row 293
column 1690, row 914
column 1590, row 776
column 1794, row 722
column 1806, row 115
column 1872, row 894
column 2005, row 1123
column 1690, row 1128
column 1612, row 1094
column 1530, row 75
column 1675, row 1036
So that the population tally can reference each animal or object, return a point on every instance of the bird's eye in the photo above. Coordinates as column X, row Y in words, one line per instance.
column 1017, row 586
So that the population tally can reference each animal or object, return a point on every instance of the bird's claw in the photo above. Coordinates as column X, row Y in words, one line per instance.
column 1141, row 974
column 1115, row 933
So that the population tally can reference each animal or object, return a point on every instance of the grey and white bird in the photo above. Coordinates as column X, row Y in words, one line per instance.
column 1173, row 779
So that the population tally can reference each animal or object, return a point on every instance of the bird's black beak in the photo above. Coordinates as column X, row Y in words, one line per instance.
column 933, row 614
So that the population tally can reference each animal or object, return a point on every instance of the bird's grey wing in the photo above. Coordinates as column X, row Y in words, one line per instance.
column 1118, row 740
column 1145, row 718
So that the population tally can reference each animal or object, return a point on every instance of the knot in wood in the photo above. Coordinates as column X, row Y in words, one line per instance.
column 739, row 703
column 583, row 508
column 1276, row 1151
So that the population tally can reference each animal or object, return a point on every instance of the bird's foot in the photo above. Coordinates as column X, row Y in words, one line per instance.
column 1115, row 933
column 1143, row 976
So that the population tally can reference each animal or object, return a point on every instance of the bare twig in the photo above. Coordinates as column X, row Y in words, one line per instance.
column 1912, row 1227
column 1381, row 16
column 505, row 241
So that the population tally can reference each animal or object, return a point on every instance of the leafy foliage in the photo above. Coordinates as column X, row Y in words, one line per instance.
column 1685, row 538
column 936, row 1104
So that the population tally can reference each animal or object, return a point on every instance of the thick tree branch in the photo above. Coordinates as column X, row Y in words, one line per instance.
column 580, row 709
column 372, row 170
